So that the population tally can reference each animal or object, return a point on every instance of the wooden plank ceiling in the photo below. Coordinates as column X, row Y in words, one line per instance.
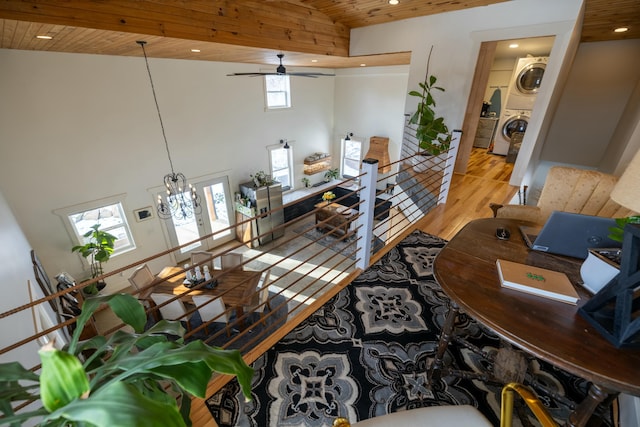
column 246, row 31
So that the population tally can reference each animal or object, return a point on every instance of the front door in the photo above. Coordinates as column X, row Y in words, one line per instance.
column 214, row 219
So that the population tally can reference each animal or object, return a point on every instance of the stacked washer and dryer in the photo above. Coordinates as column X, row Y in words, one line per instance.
column 521, row 95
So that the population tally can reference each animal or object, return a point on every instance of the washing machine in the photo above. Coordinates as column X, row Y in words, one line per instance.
column 511, row 121
column 525, row 82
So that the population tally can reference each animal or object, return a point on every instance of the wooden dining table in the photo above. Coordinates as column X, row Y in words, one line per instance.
column 235, row 286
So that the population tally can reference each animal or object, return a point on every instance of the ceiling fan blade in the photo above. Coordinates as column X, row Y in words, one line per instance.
column 282, row 71
column 310, row 74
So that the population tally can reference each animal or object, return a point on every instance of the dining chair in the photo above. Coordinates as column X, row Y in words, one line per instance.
column 230, row 260
column 203, row 258
column 211, row 309
column 141, row 277
column 260, row 299
column 174, row 310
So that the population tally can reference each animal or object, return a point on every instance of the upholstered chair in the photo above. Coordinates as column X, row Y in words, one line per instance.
column 570, row 190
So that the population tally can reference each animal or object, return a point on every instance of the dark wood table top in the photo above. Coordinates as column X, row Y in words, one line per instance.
column 235, row 286
column 550, row 330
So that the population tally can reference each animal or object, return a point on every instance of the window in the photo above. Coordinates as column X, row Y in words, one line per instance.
column 109, row 214
column 280, row 161
column 277, row 92
column 351, row 156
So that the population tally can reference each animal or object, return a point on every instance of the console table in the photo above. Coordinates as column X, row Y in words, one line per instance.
column 550, row 330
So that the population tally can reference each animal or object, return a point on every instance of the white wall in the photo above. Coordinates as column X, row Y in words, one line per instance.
column 15, row 271
column 370, row 102
column 76, row 128
column 602, row 79
column 457, row 36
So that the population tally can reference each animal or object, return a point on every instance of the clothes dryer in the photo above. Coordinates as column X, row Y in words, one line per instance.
column 512, row 121
column 525, row 82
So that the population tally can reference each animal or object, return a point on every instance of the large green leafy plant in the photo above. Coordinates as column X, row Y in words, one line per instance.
column 97, row 250
column 136, row 379
column 432, row 133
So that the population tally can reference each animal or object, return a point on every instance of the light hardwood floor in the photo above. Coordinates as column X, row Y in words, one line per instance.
column 486, row 181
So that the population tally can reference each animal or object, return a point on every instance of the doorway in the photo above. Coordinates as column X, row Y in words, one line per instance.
column 489, row 101
column 215, row 219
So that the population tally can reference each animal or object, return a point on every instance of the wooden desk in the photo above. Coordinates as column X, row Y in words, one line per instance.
column 335, row 221
column 235, row 286
column 550, row 330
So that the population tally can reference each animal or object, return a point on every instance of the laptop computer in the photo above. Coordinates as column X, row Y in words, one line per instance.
column 570, row 234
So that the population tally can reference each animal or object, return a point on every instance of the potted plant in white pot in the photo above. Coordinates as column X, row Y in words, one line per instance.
column 433, row 135
column 144, row 378
column 603, row 264
column 97, row 250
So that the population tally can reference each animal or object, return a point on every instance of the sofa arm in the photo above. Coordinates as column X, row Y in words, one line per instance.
column 521, row 212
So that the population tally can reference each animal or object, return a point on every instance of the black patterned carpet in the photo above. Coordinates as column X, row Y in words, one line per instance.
column 365, row 353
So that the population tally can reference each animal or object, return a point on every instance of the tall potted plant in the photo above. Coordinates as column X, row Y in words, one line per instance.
column 128, row 379
column 433, row 135
column 97, row 250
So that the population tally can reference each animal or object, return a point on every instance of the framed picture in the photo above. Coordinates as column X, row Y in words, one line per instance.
column 143, row 214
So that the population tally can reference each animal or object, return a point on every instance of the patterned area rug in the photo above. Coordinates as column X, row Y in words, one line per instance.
column 344, row 246
column 366, row 352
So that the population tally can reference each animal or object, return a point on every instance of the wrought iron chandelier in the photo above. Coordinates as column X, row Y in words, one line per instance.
column 180, row 202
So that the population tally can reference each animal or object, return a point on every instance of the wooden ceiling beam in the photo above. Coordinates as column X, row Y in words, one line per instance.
column 268, row 25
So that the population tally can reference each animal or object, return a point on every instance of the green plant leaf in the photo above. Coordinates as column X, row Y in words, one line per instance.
column 121, row 405
column 63, row 378
column 125, row 306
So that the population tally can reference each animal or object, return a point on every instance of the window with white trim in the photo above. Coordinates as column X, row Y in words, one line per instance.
column 351, row 157
column 280, row 159
column 109, row 213
column 277, row 92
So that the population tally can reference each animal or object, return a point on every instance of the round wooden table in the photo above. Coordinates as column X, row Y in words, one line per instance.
column 550, row 330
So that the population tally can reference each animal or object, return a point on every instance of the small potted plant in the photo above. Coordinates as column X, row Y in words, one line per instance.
column 331, row 174
column 433, row 135
column 97, row 250
column 306, row 182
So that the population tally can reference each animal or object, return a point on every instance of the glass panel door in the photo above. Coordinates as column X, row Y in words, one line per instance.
column 215, row 218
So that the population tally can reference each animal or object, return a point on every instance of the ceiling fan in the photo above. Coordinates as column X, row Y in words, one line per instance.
column 281, row 71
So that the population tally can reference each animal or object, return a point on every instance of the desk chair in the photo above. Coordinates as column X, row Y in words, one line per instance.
column 173, row 310
column 230, row 260
column 211, row 309
column 459, row 415
column 260, row 299
column 203, row 258
column 568, row 189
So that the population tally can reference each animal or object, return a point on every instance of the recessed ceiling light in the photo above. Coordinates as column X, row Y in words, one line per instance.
column 513, row 45
column 314, row 60
column 363, row 65
column 44, row 37
column 393, row 2
column 195, row 50
column 621, row 30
